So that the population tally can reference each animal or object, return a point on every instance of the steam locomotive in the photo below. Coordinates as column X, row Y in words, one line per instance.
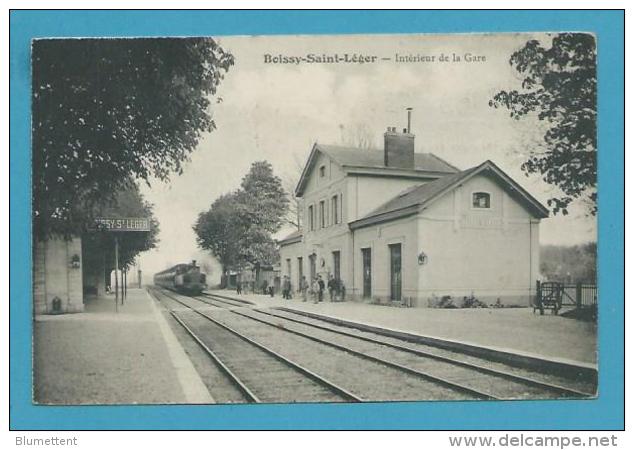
column 186, row 278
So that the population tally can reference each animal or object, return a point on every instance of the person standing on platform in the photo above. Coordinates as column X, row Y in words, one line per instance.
column 265, row 286
column 322, row 287
column 238, row 288
column 286, row 288
column 331, row 287
column 315, row 290
column 303, row 287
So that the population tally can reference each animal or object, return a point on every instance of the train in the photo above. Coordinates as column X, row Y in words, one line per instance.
column 185, row 278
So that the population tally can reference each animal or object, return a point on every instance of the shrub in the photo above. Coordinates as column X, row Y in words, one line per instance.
column 446, row 302
column 472, row 302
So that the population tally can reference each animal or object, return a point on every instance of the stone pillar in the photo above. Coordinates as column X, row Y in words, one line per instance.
column 39, row 277
column 57, row 276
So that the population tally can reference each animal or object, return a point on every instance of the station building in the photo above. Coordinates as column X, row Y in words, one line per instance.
column 395, row 225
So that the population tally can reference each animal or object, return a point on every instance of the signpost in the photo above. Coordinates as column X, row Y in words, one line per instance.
column 116, row 273
column 121, row 225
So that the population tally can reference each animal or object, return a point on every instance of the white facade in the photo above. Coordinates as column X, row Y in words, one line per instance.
column 448, row 245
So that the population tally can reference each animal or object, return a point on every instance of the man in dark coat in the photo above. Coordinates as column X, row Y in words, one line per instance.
column 303, row 287
column 322, row 286
column 332, row 287
column 265, row 287
column 286, row 288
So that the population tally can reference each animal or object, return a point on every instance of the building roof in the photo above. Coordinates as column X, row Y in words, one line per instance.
column 295, row 236
column 409, row 201
column 356, row 158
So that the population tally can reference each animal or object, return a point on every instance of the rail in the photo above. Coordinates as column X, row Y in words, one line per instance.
column 434, row 379
column 310, row 374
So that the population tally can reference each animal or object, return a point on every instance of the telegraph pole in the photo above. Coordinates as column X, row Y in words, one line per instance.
column 116, row 273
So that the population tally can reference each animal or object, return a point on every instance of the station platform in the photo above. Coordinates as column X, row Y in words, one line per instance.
column 515, row 330
column 102, row 356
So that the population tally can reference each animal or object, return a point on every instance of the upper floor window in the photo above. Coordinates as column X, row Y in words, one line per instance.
column 322, row 171
column 322, row 214
column 311, row 218
column 481, row 200
column 335, row 209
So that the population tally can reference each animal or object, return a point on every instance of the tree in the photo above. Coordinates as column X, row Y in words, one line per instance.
column 559, row 87
column 97, row 245
column 295, row 205
column 217, row 230
column 569, row 264
column 262, row 201
column 130, row 203
column 294, row 216
column 358, row 136
column 257, row 247
column 238, row 226
column 106, row 111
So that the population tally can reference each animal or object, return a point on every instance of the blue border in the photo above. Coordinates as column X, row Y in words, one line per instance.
column 605, row 413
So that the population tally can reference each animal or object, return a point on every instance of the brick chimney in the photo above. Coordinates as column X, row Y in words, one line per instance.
column 399, row 149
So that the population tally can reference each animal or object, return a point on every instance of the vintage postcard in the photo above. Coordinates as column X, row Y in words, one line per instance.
column 314, row 219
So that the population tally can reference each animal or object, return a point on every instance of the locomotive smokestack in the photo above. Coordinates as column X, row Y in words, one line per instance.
column 409, row 120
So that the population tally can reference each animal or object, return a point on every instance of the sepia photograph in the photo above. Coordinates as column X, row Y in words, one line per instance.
column 314, row 219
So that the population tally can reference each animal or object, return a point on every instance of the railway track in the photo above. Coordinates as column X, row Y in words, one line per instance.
column 369, row 376
column 223, row 300
column 259, row 373
column 230, row 300
column 486, row 379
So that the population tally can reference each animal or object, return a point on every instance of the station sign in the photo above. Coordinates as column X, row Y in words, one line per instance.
column 122, row 223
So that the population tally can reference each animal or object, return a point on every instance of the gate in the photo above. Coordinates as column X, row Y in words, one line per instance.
column 554, row 295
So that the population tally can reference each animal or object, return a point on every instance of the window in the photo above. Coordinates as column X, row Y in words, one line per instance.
column 396, row 283
column 300, row 269
column 366, row 254
column 311, row 218
column 481, row 200
column 322, row 171
column 336, row 262
column 340, row 207
column 288, row 267
column 335, row 210
column 313, row 266
column 322, row 214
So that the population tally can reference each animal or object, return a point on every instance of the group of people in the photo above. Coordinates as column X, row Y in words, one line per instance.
column 265, row 288
column 316, row 289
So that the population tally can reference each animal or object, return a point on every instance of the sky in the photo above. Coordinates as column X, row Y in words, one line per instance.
column 276, row 111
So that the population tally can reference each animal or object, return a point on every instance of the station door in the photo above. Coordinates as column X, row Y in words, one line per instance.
column 395, row 272
column 367, row 272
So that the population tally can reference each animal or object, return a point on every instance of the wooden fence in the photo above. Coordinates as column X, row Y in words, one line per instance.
column 579, row 295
